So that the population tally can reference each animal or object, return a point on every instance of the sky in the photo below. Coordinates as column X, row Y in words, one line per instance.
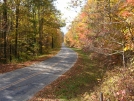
column 68, row 13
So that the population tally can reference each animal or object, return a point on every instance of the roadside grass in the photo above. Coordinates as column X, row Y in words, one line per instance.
column 85, row 79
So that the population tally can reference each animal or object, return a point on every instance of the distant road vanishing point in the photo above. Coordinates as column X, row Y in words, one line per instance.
column 22, row 84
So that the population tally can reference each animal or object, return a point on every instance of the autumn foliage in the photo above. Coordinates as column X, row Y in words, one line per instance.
column 28, row 28
column 105, row 30
column 105, row 27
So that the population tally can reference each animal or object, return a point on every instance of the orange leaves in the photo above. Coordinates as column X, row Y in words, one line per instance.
column 82, row 36
column 126, row 13
column 104, row 25
column 127, row 8
column 130, row 1
column 83, row 15
column 81, row 27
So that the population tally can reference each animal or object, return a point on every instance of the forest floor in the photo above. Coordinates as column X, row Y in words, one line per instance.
column 4, row 68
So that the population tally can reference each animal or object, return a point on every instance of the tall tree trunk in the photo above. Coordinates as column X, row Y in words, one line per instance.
column 52, row 41
column 109, row 10
column 40, row 35
column 40, row 30
column 34, row 24
column 16, row 33
column 5, row 29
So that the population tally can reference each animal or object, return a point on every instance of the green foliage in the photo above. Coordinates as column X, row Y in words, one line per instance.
column 85, row 76
column 30, row 25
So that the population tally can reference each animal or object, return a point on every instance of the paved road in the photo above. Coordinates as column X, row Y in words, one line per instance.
column 22, row 84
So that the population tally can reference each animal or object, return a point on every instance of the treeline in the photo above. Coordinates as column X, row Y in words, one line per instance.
column 105, row 27
column 28, row 28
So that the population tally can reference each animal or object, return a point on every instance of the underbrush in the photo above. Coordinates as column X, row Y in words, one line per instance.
column 98, row 75
column 117, row 85
column 28, row 56
column 23, row 57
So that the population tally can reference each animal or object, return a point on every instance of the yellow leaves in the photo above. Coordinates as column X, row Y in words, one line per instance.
column 128, row 47
column 130, row 19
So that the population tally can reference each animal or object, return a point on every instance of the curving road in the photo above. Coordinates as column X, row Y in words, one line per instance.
column 22, row 84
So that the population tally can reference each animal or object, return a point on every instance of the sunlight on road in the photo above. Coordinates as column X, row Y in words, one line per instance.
column 29, row 80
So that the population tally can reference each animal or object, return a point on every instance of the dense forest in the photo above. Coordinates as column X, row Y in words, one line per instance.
column 104, row 31
column 28, row 28
column 105, row 27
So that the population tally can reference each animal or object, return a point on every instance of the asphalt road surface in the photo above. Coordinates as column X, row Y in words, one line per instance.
column 22, row 84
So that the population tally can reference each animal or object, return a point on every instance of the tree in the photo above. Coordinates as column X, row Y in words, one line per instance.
column 107, row 28
column 5, row 24
column 28, row 28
